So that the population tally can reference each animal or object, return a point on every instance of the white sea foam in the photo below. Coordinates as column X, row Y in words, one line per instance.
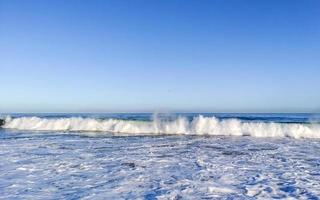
column 200, row 125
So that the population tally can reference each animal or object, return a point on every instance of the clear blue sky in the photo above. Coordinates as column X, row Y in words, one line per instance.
column 173, row 55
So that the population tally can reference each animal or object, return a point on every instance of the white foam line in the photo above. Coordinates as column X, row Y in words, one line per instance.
column 200, row 125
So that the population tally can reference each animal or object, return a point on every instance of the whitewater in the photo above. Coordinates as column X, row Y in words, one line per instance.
column 198, row 125
column 159, row 156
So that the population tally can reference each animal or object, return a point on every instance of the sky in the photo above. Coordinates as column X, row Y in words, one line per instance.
column 160, row 55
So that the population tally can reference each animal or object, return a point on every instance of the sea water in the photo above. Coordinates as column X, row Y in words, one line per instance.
column 160, row 156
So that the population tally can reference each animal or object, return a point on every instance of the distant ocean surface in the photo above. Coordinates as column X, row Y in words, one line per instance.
column 160, row 156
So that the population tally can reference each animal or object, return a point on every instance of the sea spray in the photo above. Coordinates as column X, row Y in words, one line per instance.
column 198, row 125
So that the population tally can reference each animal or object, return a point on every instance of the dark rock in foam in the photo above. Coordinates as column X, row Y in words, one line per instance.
column 1, row 122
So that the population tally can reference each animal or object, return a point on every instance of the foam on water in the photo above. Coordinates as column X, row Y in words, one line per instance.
column 55, row 166
column 199, row 125
column 52, row 160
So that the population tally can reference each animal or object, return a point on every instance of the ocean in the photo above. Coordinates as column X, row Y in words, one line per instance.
column 160, row 156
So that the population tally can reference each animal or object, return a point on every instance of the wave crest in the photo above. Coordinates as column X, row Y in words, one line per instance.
column 199, row 125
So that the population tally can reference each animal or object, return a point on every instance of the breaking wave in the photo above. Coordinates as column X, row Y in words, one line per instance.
column 199, row 125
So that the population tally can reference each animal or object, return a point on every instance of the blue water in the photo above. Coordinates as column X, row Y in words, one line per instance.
column 37, row 164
